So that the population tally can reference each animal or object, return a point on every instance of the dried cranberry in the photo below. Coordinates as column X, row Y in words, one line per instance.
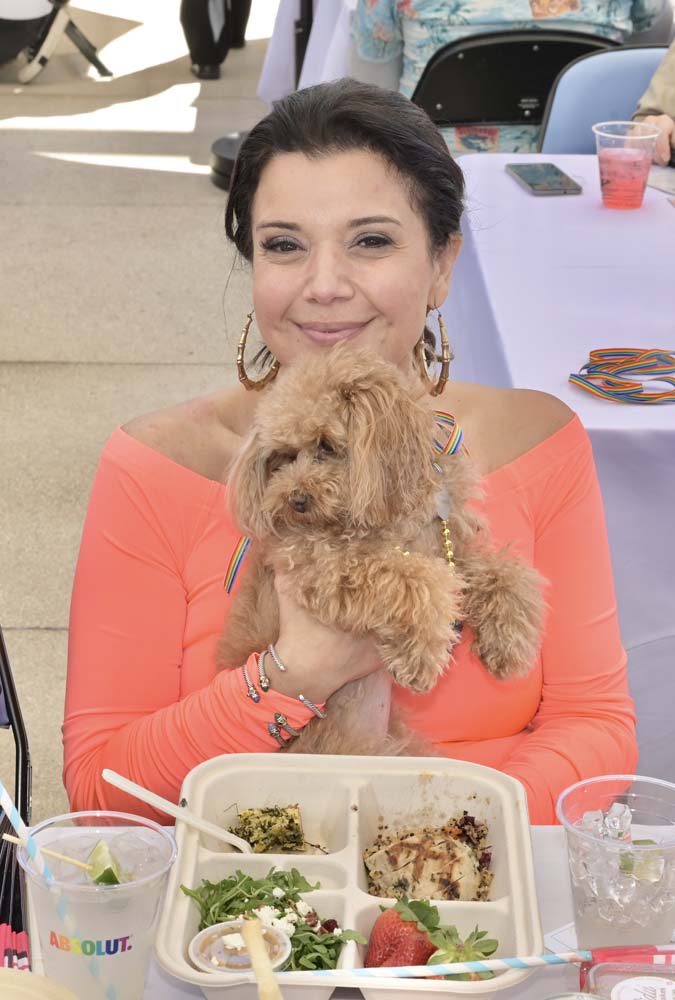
column 329, row 926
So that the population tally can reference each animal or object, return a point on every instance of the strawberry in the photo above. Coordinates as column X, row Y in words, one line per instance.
column 401, row 935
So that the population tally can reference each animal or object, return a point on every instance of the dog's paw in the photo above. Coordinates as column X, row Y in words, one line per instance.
column 415, row 645
column 506, row 611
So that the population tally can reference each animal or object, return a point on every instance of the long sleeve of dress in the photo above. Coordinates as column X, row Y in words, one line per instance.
column 659, row 98
column 585, row 724
column 128, row 705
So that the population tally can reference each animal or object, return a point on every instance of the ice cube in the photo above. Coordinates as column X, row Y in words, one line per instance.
column 599, row 877
column 618, row 821
column 641, row 913
column 593, row 822
column 622, row 889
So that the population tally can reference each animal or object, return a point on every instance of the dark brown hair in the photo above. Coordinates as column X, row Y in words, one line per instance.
column 346, row 115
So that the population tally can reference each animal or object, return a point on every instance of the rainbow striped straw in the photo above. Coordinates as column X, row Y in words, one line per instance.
column 34, row 853
column 456, row 968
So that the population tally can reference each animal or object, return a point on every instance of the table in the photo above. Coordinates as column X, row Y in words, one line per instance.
column 555, row 907
column 539, row 282
column 327, row 55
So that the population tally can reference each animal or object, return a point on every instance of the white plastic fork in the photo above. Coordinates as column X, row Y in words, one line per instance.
column 178, row 812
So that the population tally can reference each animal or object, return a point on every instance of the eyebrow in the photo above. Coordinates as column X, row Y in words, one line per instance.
column 367, row 220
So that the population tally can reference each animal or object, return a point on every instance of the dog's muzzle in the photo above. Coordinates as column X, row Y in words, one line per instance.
column 299, row 502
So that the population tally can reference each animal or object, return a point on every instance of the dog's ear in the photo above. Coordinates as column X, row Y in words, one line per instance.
column 390, row 452
column 246, row 487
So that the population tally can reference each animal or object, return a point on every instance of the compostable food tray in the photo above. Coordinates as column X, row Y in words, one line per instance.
column 343, row 801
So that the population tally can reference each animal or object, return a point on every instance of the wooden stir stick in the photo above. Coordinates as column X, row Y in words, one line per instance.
column 51, row 854
column 268, row 984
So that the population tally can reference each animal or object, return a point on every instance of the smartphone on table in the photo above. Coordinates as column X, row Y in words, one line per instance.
column 543, row 178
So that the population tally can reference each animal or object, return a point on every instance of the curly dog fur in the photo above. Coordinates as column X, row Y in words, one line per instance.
column 339, row 486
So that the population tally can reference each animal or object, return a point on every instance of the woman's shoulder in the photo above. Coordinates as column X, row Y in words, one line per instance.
column 202, row 434
column 500, row 425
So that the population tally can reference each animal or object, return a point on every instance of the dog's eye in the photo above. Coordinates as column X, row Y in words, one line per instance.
column 278, row 459
column 324, row 449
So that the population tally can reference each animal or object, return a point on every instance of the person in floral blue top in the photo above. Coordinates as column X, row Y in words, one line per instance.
column 393, row 41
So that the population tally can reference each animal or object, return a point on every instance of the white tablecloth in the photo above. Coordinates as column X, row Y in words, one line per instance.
column 327, row 55
column 555, row 906
column 540, row 281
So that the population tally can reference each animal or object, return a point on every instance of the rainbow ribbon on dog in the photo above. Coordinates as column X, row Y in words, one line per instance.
column 449, row 424
column 622, row 374
column 457, row 968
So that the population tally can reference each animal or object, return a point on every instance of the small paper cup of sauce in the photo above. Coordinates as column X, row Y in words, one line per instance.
column 221, row 948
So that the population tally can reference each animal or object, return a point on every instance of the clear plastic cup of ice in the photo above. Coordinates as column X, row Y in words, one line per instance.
column 97, row 939
column 621, row 852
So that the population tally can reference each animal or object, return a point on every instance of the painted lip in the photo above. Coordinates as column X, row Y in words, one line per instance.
column 331, row 333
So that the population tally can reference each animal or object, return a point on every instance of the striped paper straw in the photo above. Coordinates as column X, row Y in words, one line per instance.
column 455, row 968
column 34, row 853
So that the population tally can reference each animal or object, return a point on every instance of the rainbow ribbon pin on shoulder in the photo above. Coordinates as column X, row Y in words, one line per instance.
column 236, row 560
column 623, row 373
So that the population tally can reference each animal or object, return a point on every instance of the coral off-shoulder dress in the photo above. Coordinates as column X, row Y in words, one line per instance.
column 144, row 696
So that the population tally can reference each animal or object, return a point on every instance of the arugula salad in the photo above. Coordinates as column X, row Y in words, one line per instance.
column 276, row 899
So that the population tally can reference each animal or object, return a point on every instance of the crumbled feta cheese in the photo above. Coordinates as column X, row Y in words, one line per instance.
column 267, row 914
column 291, row 915
column 303, row 908
column 285, row 925
column 278, row 891
column 233, row 941
column 337, row 932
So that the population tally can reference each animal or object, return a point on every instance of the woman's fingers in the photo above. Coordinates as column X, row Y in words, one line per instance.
column 666, row 139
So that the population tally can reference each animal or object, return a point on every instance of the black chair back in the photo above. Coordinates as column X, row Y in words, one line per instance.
column 500, row 77
column 11, row 718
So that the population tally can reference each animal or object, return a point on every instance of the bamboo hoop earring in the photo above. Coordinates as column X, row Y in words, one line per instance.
column 248, row 383
column 435, row 388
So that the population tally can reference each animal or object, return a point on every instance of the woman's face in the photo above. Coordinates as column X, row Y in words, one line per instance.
column 340, row 253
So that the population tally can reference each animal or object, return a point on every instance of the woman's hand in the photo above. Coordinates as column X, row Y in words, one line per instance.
column 319, row 659
column 666, row 141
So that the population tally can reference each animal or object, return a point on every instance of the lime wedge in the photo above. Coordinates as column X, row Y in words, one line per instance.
column 104, row 868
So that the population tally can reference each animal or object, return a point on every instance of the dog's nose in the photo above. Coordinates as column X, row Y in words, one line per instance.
column 299, row 502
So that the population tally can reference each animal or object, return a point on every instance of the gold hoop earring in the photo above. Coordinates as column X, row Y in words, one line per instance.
column 248, row 383
column 435, row 389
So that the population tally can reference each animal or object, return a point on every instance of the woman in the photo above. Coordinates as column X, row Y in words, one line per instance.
column 347, row 206
column 395, row 39
column 657, row 107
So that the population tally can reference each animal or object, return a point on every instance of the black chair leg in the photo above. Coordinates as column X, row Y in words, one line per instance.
column 82, row 43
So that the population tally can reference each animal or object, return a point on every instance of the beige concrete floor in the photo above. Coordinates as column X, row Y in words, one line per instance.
column 118, row 294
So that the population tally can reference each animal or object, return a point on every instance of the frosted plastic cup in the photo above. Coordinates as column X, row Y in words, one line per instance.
column 625, row 151
column 97, row 939
column 621, row 853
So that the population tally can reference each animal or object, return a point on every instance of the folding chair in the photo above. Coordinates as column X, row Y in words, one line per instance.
column 56, row 25
column 500, row 77
column 13, row 910
column 598, row 87
column 11, row 718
